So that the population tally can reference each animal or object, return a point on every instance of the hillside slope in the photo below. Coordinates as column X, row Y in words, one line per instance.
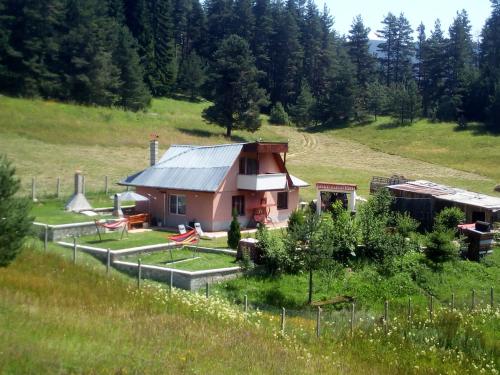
column 47, row 139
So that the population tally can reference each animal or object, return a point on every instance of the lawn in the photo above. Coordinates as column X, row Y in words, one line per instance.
column 51, row 211
column 191, row 259
column 113, row 241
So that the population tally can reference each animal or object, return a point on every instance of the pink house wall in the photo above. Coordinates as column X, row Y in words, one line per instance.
column 213, row 210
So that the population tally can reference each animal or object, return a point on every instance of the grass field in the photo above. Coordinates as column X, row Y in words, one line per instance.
column 47, row 139
column 190, row 260
column 58, row 317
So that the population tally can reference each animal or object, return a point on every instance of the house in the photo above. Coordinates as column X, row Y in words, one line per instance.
column 423, row 199
column 206, row 183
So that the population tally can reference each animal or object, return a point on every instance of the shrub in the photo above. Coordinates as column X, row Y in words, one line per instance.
column 440, row 246
column 344, row 233
column 278, row 115
column 15, row 223
column 448, row 219
column 234, row 233
column 275, row 257
column 405, row 224
column 296, row 221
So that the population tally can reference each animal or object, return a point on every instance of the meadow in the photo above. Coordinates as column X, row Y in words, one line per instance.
column 72, row 318
column 46, row 139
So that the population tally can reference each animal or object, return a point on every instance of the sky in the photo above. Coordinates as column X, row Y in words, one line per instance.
column 426, row 11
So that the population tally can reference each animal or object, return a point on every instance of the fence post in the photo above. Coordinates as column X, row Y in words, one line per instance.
column 318, row 322
column 207, row 290
column 108, row 261
column 386, row 315
column 58, row 187
column 473, row 302
column 452, row 301
column 83, row 184
column 283, row 312
column 74, row 249
column 431, row 307
column 46, row 238
column 409, row 310
column 171, row 281
column 33, row 189
column 352, row 320
column 139, row 272
column 106, row 189
column 491, row 297
column 245, row 299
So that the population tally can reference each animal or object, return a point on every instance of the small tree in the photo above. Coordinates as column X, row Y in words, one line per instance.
column 301, row 111
column 440, row 246
column 448, row 219
column 296, row 220
column 376, row 98
column 344, row 233
column 405, row 224
column 15, row 223
column 278, row 115
column 191, row 75
column 234, row 233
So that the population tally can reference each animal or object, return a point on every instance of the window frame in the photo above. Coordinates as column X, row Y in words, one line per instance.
column 281, row 207
column 240, row 208
column 176, row 205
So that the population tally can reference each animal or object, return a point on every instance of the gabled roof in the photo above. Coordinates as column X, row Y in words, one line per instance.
column 186, row 167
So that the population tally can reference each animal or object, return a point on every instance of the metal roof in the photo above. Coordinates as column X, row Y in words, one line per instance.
column 183, row 167
column 450, row 194
column 297, row 182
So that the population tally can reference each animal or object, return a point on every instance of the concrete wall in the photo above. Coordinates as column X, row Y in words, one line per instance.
column 181, row 279
column 59, row 232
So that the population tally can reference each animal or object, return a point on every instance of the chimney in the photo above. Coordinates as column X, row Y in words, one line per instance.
column 78, row 183
column 78, row 202
column 153, row 151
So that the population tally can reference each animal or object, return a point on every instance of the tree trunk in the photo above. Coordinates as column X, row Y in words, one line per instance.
column 310, row 286
column 229, row 128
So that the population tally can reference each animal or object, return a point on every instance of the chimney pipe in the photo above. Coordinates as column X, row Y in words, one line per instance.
column 78, row 183
column 153, row 152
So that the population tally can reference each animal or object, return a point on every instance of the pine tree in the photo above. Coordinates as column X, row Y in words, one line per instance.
column 192, row 75
column 133, row 92
column 386, row 48
column 15, row 223
column 301, row 111
column 358, row 50
column 376, row 98
column 238, row 98
column 234, row 233
column 243, row 21
column 261, row 41
column 404, row 101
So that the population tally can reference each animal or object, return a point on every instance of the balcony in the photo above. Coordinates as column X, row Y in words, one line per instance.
column 262, row 182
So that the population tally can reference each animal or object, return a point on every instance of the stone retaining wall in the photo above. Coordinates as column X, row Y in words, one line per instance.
column 59, row 232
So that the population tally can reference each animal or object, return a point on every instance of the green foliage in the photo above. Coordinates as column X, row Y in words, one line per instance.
column 15, row 223
column 278, row 115
column 404, row 102
column 448, row 219
column 440, row 246
column 345, row 234
column 192, row 75
column 301, row 111
column 405, row 224
column 238, row 97
column 234, row 233
column 276, row 259
column 296, row 220
column 376, row 98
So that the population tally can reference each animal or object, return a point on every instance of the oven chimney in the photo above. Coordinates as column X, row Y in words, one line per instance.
column 78, row 202
column 153, row 151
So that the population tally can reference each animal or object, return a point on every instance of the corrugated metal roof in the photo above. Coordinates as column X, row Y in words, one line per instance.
column 297, row 182
column 197, row 168
column 450, row 194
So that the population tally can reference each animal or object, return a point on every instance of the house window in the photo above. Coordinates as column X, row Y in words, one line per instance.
column 177, row 204
column 249, row 166
column 283, row 200
column 238, row 205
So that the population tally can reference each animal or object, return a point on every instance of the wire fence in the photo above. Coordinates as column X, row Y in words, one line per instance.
column 39, row 187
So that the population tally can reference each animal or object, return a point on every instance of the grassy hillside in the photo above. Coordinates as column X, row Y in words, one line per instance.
column 58, row 317
column 47, row 139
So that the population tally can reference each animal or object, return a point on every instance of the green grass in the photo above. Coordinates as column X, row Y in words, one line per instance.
column 58, row 317
column 192, row 260
column 370, row 289
column 472, row 150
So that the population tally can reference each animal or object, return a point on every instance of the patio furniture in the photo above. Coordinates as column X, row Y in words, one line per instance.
column 188, row 238
column 137, row 219
column 112, row 226
column 182, row 228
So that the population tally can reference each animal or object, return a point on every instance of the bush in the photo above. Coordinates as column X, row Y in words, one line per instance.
column 296, row 221
column 448, row 219
column 405, row 224
column 278, row 115
column 234, row 233
column 440, row 246
column 15, row 223
column 276, row 259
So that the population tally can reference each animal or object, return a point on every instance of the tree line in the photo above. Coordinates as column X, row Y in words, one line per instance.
column 123, row 52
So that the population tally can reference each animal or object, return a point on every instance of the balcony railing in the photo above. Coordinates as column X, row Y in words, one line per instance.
column 262, row 182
